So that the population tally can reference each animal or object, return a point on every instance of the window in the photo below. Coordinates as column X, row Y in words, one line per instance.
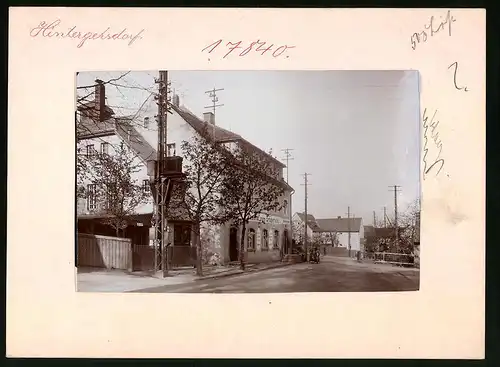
column 90, row 149
column 285, row 207
column 91, row 197
column 145, row 185
column 171, row 150
column 104, row 148
column 251, row 240
column 109, row 201
column 275, row 239
column 265, row 240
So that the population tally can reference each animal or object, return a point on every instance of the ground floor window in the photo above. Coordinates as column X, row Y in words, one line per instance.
column 265, row 239
column 251, row 240
column 276, row 239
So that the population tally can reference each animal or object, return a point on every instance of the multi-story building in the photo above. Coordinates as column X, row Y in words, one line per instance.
column 99, row 130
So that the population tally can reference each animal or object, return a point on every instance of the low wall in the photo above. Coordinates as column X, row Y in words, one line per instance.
column 104, row 252
column 256, row 257
column 339, row 251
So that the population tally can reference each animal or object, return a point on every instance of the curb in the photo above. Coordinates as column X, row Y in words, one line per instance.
column 240, row 272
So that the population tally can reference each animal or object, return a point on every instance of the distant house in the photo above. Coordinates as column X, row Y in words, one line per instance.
column 347, row 230
column 341, row 228
column 299, row 221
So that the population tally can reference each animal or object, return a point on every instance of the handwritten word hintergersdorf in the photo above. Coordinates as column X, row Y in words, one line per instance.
column 258, row 46
column 438, row 163
column 55, row 30
column 431, row 28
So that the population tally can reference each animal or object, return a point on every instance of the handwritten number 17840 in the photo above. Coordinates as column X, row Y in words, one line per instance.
column 257, row 46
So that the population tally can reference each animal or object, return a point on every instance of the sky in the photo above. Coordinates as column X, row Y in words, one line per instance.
column 355, row 132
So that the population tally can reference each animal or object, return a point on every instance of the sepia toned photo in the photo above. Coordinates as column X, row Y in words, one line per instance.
column 247, row 181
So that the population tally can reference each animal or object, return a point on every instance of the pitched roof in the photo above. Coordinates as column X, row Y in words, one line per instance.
column 311, row 221
column 134, row 139
column 339, row 224
column 379, row 232
column 90, row 128
column 199, row 125
column 221, row 134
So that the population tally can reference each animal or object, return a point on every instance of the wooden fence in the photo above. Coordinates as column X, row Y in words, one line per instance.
column 391, row 258
column 104, row 252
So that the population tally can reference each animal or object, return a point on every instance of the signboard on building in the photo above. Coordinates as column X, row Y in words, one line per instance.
column 272, row 219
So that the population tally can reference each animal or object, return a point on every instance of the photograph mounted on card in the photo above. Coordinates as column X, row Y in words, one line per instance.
column 167, row 193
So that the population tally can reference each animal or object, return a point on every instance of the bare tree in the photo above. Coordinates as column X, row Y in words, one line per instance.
column 251, row 189
column 113, row 187
column 207, row 167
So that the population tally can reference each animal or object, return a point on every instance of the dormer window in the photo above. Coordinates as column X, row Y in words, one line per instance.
column 104, row 148
column 90, row 150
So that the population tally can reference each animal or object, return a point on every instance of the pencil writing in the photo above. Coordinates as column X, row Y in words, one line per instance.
column 455, row 65
column 431, row 29
column 255, row 46
column 438, row 163
column 54, row 30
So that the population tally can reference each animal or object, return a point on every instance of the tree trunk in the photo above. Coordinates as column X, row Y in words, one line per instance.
column 199, row 251
column 242, row 247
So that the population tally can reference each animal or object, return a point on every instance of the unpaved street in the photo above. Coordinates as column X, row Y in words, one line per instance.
column 333, row 274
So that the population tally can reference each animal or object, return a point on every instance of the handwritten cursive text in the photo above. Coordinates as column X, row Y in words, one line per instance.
column 256, row 46
column 438, row 163
column 455, row 64
column 55, row 30
column 431, row 29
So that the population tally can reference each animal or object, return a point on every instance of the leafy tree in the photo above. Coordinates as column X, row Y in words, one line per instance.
column 252, row 189
column 117, row 192
column 206, row 169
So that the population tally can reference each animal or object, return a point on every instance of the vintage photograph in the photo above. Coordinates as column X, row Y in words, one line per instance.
column 247, row 181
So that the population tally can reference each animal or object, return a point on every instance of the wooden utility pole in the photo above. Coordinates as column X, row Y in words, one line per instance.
column 349, row 231
column 385, row 217
column 288, row 157
column 162, row 183
column 396, row 189
column 305, row 184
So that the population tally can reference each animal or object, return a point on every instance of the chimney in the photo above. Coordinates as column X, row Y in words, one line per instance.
column 146, row 122
column 100, row 99
column 175, row 100
column 209, row 117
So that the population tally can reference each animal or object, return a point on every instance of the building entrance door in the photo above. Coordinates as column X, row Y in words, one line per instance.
column 233, row 244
